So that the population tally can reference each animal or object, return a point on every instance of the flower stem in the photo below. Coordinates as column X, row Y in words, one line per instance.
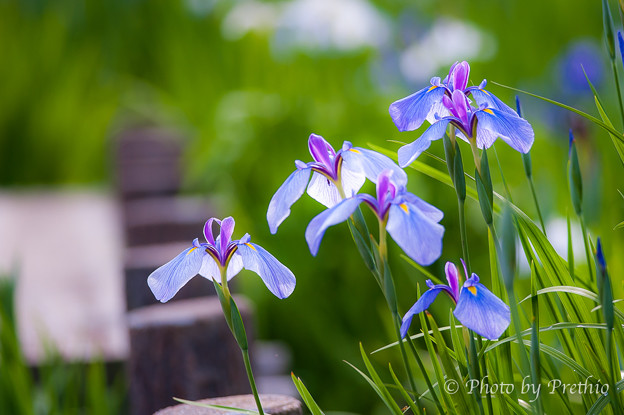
column 539, row 212
column 617, row 88
column 588, row 254
column 462, row 231
column 252, row 382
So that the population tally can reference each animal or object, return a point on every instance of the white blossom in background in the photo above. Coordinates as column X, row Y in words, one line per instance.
column 446, row 42
column 251, row 16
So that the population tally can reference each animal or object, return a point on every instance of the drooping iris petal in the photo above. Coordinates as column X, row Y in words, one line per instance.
column 227, row 229
column 288, row 193
column 278, row 279
column 427, row 209
column 515, row 131
column 409, row 113
column 408, row 153
column 210, row 269
column 371, row 163
column 418, row 236
column 323, row 190
column 333, row 216
column 483, row 97
column 167, row 280
column 419, row 306
column 481, row 311
column 234, row 266
column 352, row 181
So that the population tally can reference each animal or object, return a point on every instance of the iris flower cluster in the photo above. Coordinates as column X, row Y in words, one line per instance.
column 479, row 121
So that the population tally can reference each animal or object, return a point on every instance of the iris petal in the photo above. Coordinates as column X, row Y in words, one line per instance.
column 409, row 113
column 408, row 153
column 167, row 280
column 482, row 97
column 481, row 311
column 418, row 236
column 337, row 214
column 210, row 269
column 323, row 190
column 371, row 163
column 277, row 277
column 288, row 193
column 227, row 229
column 427, row 209
column 515, row 131
column 423, row 303
column 352, row 181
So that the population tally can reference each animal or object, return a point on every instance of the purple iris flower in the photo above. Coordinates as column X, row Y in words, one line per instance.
column 223, row 253
column 335, row 175
column 446, row 101
column 476, row 307
column 412, row 222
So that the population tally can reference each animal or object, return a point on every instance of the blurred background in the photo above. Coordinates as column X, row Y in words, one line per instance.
column 230, row 90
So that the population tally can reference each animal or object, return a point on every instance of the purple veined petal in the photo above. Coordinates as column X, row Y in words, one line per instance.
column 417, row 235
column 484, row 97
column 410, row 152
column 427, row 209
column 461, row 106
column 481, row 311
column 323, row 190
column 167, row 280
column 234, row 266
column 409, row 113
column 458, row 78
column 277, row 277
column 515, row 131
column 288, row 193
column 321, row 150
column 210, row 269
column 332, row 216
column 452, row 276
column 208, row 230
column 227, row 229
column 371, row 163
column 352, row 181
column 423, row 303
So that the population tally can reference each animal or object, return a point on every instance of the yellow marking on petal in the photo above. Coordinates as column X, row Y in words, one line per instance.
column 489, row 111
column 432, row 88
column 404, row 207
column 192, row 249
column 354, row 151
column 250, row 245
column 486, row 92
column 472, row 289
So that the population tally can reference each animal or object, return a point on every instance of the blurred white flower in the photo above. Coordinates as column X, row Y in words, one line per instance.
column 446, row 42
column 251, row 16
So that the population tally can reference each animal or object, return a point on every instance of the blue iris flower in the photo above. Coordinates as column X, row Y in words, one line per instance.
column 410, row 221
column 476, row 307
column 218, row 254
column 335, row 175
column 447, row 102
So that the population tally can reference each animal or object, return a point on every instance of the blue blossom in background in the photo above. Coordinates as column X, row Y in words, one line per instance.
column 410, row 221
column 335, row 175
column 446, row 102
column 476, row 307
column 217, row 255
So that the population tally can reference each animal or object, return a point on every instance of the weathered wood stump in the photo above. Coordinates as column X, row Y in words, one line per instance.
column 183, row 349
column 141, row 261
column 271, row 404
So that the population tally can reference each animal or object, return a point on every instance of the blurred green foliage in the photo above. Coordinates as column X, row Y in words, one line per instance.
column 74, row 73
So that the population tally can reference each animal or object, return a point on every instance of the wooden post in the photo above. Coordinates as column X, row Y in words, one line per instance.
column 183, row 349
column 271, row 404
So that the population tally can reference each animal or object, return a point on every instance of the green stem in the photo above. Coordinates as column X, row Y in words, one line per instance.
column 588, row 254
column 252, row 382
column 462, row 231
column 539, row 212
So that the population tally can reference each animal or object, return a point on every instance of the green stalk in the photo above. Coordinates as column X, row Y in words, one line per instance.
column 539, row 211
column 588, row 254
column 617, row 88
column 252, row 382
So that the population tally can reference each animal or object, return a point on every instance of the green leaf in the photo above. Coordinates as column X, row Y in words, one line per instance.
column 218, row 407
column 305, row 395
column 238, row 328
column 602, row 402
column 403, row 392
